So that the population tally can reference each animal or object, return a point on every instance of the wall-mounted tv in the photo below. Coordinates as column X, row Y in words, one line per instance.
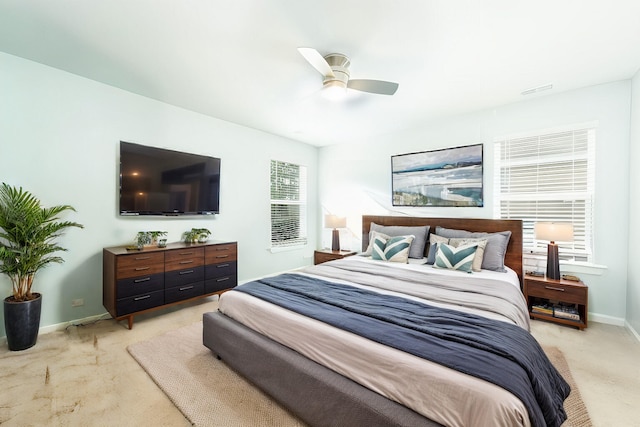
column 157, row 181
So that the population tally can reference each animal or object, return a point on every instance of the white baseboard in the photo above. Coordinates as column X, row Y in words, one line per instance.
column 609, row 320
column 633, row 331
column 64, row 325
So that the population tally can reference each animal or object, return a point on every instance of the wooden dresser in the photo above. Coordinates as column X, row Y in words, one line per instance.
column 134, row 282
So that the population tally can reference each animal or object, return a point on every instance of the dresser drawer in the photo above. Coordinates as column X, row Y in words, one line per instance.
column 180, row 259
column 220, row 284
column 179, row 293
column 221, row 253
column 220, row 270
column 140, row 285
column 139, row 302
column 139, row 264
column 182, row 277
column 573, row 294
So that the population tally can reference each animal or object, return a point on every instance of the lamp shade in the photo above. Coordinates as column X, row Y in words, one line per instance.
column 334, row 221
column 554, row 231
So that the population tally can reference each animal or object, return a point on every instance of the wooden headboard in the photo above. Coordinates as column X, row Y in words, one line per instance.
column 512, row 259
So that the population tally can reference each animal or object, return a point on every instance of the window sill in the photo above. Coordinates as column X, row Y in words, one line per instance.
column 539, row 262
column 582, row 267
column 279, row 249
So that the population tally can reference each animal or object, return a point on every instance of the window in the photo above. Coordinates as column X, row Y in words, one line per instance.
column 288, row 204
column 548, row 177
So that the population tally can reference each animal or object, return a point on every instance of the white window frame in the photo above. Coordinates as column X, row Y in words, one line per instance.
column 288, row 206
column 548, row 175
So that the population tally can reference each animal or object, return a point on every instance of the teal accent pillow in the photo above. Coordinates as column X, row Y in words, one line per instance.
column 455, row 258
column 394, row 249
column 495, row 250
column 419, row 234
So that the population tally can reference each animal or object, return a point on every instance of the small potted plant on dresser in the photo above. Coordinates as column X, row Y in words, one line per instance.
column 196, row 235
column 27, row 244
column 145, row 238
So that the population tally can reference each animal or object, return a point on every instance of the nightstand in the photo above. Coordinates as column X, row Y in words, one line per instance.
column 325, row 255
column 554, row 300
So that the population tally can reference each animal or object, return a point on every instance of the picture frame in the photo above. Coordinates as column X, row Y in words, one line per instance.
column 448, row 177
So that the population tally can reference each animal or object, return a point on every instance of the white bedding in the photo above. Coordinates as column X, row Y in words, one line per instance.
column 439, row 393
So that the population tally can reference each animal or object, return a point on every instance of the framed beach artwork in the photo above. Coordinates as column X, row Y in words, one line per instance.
column 447, row 177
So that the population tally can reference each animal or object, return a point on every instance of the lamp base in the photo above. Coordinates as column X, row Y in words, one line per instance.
column 335, row 245
column 553, row 262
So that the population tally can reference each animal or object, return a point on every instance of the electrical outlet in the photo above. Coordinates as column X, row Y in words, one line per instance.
column 77, row 302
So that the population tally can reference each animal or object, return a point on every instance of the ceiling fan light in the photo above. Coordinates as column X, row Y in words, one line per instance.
column 334, row 90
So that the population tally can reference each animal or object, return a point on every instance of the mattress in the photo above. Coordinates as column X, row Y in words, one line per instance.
column 439, row 393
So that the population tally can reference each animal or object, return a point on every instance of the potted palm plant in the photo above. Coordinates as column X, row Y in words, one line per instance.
column 27, row 243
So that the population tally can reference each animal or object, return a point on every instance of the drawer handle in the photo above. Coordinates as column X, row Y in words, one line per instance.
column 146, row 279
column 142, row 297
column 222, row 256
column 554, row 289
column 223, row 248
column 222, row 265
column 186, row 262
column 222, row 279
column 142, row 257
column 186, row 253
column 186, row 272
column 186, row 288
column 142, row 268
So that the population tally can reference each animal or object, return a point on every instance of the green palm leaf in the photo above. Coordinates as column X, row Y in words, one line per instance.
column 27, row 237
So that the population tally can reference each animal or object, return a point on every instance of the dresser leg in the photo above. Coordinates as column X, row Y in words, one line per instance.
column 130, row 320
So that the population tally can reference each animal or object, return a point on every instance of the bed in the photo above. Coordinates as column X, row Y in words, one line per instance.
column 367, row 341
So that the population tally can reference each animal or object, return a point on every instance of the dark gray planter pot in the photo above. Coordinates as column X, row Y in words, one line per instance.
column 22, row 322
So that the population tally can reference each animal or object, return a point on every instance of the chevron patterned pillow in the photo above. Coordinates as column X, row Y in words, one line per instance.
column 455, row 258
column 394, row 249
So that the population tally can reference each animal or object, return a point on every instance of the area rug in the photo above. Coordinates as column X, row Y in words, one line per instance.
column 208, row 393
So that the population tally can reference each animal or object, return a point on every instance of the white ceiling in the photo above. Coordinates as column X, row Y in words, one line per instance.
column 237, row 59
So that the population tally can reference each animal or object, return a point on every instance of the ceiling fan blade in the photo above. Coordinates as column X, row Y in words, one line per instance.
column 373, row 86
column 316, row 60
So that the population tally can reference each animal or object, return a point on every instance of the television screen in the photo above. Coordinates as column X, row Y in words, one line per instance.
column 156, row 181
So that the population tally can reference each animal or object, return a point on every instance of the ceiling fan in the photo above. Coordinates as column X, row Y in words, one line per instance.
column 335, row 69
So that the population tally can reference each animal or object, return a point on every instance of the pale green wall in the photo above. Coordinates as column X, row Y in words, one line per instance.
column 633, row 290
column 356, row 179
column 59, row 136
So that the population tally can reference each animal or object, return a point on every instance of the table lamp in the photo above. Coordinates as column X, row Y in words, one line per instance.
column 335, row 222
column 553, row 231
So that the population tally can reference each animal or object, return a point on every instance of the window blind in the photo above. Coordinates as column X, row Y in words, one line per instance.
column 548, row 177
column 288, row 204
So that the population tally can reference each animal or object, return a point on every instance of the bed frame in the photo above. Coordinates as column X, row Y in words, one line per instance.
column 315, row 394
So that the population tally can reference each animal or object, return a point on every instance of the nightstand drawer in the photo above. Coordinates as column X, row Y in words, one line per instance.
column 574, row 294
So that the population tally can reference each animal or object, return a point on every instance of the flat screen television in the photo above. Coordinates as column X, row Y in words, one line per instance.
column 157, row 181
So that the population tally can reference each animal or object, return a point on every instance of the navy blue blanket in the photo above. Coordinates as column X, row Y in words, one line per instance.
column 500, row 353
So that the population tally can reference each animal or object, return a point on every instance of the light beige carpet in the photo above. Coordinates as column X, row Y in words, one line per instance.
column 210, row 394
